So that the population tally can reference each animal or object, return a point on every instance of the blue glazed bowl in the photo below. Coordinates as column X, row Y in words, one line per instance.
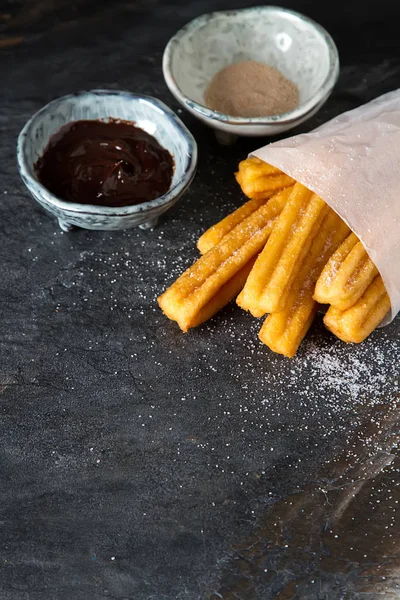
column 149, row 114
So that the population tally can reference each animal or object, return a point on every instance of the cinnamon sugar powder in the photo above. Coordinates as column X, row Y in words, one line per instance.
column 251, row 89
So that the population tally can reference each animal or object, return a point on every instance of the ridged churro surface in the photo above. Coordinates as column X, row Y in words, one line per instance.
column 282, row 253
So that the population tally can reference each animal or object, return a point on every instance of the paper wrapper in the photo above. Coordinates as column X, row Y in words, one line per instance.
column 353, row 163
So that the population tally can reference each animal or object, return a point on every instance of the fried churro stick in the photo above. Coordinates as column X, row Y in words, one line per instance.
column 357, row 322
column 201, row 282
column 253, row 174
column 346, row 275
column 283, row 331
column 259, row 179
column 268, row 285
column 214, row 234
column 228, row 292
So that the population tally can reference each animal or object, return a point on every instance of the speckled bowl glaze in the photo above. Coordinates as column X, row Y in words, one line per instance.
column 149, row 114
column 300, row 48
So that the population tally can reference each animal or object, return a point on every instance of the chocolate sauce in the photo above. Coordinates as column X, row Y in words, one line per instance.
column 109, row 163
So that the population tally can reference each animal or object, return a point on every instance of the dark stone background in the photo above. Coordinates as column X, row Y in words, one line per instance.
column 140, row 463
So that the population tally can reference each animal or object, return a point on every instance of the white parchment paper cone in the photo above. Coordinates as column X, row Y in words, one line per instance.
column 353, row 163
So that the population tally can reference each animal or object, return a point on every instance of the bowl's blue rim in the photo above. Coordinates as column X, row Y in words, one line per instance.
column 278, row 120
column 177, row 190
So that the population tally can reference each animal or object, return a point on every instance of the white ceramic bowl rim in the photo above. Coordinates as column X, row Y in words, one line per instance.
column 287, row 117
column 182, row 184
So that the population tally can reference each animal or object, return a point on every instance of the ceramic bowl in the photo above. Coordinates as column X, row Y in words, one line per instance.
column 149, row 114
column 300, row 48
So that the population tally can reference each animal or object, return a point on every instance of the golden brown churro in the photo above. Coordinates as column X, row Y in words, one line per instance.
column 225, row 294
column 346, row 275
column 198, row 285
column 276, row 268
column 253, row 174
column 281, row 253
column 214, row 234
column 284, row 330
column 259, row 179
column 357, row 322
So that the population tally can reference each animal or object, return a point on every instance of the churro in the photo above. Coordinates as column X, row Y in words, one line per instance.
column 225, row 294
column 282, row 253
column 217, row 232
column 284, row 330
column 346, row 275
column 259, row 179
column 269, row 282
column 357, row 322
column 195, row 288
column 253, row 174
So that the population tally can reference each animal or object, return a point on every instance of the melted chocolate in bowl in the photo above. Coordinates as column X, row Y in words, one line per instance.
column 108, row 163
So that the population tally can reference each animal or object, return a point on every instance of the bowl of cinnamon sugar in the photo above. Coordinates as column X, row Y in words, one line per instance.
column 251, row 72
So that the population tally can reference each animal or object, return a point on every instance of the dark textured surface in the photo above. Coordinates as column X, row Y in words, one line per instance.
column 137, row 462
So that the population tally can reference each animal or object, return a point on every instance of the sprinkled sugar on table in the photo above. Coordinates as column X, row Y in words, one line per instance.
column 139, row 462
